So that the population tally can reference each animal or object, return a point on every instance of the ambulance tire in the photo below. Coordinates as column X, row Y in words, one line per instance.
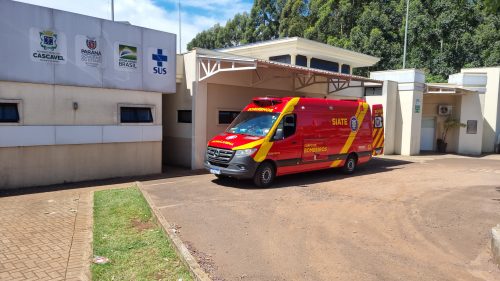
column 350, row 164
column 264, row 176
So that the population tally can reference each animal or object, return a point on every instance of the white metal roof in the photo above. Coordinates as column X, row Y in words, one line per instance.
column 216, row 55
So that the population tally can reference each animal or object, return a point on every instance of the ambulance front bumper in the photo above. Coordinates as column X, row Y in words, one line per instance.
column 238, row 167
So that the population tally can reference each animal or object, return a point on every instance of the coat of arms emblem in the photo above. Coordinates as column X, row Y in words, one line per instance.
column 48, row 40
column 91, row 43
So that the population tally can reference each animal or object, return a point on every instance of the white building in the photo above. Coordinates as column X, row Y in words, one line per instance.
column 80, row 97
column 213, row 86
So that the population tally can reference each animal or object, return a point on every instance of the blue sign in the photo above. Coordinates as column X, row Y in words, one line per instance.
column 160, row 58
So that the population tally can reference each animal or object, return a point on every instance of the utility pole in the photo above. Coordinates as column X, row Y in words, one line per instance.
column 113, row 10
column 406, row 33
column 180, row 30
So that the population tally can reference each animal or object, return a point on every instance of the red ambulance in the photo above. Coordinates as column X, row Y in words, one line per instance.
column 278, row 136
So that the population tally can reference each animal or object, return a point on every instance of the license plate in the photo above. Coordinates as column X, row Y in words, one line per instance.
column 215, row 171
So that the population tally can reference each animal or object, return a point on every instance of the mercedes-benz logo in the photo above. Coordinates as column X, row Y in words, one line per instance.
column 216, row 153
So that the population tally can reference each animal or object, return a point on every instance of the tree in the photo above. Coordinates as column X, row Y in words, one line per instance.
column 293, row 19
column 443, row 36
column 264, row 20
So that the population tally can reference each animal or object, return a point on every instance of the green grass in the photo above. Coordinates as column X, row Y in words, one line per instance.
column 126, row 233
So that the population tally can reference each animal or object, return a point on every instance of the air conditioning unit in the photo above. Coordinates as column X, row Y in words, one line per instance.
column 444, row 110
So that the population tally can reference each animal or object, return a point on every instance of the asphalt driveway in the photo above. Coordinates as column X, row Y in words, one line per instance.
column 419, row 218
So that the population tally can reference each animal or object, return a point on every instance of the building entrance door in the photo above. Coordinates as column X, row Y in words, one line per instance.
column 428, row 133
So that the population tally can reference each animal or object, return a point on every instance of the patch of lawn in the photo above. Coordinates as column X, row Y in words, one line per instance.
column 125, row 232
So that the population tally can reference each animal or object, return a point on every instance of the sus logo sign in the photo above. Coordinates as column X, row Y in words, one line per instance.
column 160, row 59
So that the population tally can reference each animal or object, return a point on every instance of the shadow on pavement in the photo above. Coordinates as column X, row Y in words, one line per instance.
column 168, row 172
column 377, row 165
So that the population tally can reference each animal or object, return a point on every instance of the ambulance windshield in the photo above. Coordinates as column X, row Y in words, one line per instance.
column 255, row 124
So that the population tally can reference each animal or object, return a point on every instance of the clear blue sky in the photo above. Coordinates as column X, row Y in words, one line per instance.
column 197, row 15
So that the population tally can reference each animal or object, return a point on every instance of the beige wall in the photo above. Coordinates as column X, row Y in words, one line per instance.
column 491, row 106
column 45, row 107
column 470, row 109
column 430, row 109
column 44, row 165
column 388, row 101
column 53, row 104
column 177, row 136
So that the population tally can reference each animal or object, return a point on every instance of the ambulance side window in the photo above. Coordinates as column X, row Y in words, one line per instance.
column 285, row 128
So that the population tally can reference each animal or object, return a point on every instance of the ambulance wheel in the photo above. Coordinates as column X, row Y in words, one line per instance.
column 264, row 176
column 350, row 164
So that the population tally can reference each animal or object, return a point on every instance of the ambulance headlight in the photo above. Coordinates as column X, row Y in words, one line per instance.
column 245, row 152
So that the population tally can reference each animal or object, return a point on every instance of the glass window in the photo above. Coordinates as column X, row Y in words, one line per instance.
column 9, row 113
column 257, row 124
column 324, row 65
column 283, row 59
column 301, row 60
column 184, row 116
column 373, row 91
column 285, row 128
column 227, row 117
column 346, row 69
column 136, row 115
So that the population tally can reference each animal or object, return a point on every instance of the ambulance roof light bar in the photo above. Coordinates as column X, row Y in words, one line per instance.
column 267, row 101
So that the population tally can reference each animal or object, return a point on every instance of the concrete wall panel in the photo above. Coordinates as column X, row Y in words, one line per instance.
column 44, row 165
column 15, row 23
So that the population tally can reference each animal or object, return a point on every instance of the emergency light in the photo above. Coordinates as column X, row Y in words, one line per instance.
column 266, row 101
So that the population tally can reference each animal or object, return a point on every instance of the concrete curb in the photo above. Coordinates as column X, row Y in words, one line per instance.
column 495, row 244
column 180, row 247
column 80, row 254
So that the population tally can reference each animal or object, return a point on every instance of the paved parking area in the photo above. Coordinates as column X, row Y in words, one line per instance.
column 419, row 218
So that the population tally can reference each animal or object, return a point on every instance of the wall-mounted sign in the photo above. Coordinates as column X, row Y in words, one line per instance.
column 157, row 61
column 126, row 57
column 471, row 126
column 47, row 46
column 418, row 106
column 88, row 51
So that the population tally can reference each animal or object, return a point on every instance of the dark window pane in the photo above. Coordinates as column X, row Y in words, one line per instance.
column 136, row 115
column 227, row 117
column 373, row 91
column 283, row 59
column 324, row 65
column 9, row 113
column 301, row 60
column 184, row 116
column 346, row 69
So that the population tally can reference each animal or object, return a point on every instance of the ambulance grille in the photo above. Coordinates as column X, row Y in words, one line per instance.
column 219, row 155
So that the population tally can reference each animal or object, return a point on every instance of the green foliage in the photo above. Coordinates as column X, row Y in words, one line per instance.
column 450, row 123
column 443, row 36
